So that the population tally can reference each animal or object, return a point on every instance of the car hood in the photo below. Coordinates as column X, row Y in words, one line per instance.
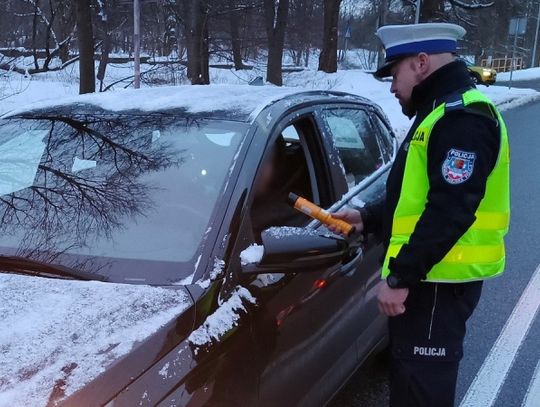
column 58, row 335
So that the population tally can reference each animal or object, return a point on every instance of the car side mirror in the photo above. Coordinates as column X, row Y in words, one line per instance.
column 293, row 250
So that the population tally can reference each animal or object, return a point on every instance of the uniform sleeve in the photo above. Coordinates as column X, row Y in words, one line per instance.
column 372, row 216
column 462, row 152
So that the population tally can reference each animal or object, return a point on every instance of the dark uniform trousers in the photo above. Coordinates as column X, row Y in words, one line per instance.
column 427, row 343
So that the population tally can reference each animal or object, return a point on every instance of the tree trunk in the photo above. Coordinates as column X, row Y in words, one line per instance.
column 85, row 37
column 430, row 10
column 276, row 23
column 106, row 45
column 196, row 34
column 34, row 34
column 328, row 57
column 104, row 60
column 383, row 12
column 65, row 28
column 236, row 44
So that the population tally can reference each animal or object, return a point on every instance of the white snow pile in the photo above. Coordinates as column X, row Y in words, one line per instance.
column 54, row 330
column 505, row 98
column 223, row 319
column 204, row 284
column 195, row 99
column 355, row 201
column 215, row 273
column 217, row 270
column 253, row 254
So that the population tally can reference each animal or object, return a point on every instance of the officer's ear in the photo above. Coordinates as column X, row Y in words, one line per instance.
column 423, row 64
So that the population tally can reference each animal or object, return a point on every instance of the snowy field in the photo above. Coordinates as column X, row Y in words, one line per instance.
column 17, row 91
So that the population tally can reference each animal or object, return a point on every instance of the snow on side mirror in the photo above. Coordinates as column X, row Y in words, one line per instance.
column 293, row 250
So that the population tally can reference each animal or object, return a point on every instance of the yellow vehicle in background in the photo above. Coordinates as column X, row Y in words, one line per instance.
column 482, row 75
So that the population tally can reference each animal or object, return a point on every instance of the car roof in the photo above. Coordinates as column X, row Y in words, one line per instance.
column 225, row 102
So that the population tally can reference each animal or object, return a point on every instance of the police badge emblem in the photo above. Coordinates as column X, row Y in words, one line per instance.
column 458, row 166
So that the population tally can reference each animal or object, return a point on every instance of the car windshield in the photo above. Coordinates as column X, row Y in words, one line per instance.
column 130, row 197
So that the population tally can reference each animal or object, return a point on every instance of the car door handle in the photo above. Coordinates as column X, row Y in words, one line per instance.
column 350, row 265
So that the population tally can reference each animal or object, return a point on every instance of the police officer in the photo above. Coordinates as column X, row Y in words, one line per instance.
column 445, row 214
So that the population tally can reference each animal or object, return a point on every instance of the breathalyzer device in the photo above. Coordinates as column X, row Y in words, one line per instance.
column 316, row 212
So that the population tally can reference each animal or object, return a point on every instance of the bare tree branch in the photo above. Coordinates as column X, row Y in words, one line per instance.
column 474, row 5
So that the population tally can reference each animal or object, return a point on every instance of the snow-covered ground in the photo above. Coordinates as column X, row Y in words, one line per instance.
column 521, row 75
column 18, row 91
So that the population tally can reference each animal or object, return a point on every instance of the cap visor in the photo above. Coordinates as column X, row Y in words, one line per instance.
column 384, row 71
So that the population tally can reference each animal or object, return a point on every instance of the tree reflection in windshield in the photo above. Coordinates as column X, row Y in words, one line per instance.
column 79, row 184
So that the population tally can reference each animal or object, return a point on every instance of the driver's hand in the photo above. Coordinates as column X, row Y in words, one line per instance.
column 351, row 216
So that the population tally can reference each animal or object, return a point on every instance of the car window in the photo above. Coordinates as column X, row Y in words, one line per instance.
column 290, row 134
column 385, row 138
column 284, row 170
column 134, row 189
column 373, row 193
column 356, row 142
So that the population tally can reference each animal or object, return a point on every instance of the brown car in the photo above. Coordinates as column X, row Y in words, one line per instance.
column 131, row 270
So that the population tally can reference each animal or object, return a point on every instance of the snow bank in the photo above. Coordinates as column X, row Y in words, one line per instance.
column 18, row 91
column 223, row 319
column 509, row 99
column 520, row 75
column 63, row 330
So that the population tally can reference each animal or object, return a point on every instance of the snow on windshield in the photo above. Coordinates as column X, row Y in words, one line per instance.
column 54, row 330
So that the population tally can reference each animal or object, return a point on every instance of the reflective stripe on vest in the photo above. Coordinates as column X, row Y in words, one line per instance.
column 479, row 253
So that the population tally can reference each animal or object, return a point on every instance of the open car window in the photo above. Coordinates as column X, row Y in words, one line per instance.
column 296, row 165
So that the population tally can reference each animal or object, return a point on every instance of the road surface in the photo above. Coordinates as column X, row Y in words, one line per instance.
column 502, row 348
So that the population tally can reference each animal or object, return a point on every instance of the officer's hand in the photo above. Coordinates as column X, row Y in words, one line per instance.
column 351, row 216
column 391, row 300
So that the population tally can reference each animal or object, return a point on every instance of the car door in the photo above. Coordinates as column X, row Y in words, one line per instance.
column 303, row 328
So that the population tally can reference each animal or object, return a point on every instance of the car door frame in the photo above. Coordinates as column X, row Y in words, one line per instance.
column 263, row 135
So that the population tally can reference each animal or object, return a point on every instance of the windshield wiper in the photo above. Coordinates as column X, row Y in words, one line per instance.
column 22, row 265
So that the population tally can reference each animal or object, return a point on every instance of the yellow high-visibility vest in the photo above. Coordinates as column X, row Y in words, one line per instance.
column 479, row 253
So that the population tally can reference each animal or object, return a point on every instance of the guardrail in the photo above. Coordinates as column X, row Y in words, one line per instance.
column 503, row 64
